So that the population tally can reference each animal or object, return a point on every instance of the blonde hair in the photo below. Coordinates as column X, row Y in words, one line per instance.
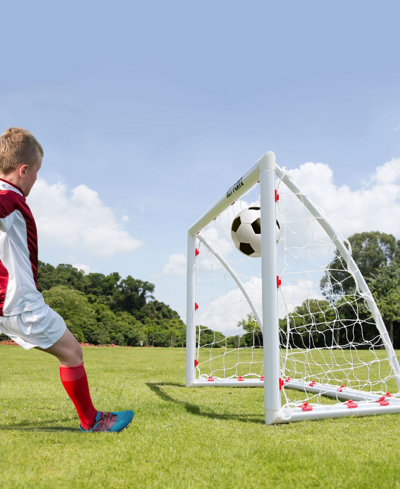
column 18, row 146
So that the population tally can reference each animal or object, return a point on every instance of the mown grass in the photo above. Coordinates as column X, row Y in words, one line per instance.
column 180, row 438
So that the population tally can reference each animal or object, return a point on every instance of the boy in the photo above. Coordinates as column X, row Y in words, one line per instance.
column 24, row 316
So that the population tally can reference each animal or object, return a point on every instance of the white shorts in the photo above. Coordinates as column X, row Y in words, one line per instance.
column 41, row 327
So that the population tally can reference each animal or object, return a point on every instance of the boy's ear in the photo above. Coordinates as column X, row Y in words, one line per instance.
column 22, row 170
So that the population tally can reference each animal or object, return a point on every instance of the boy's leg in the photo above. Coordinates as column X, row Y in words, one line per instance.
column 66, row 349
column 73, row 377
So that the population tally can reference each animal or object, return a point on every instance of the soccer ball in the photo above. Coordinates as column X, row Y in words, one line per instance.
column 246, row 232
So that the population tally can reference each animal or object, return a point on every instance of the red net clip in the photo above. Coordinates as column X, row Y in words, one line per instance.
column 210, row 379
column 262, row 378
column 278, row 281
column 240, row 379
column 351, row 404
column 382, row 401
column 281, row 383
column 196, row 362
column 306, row 407
column 196, row 306
column 276, row 196
column 311, row 384
column 341, row 388
column 197, row 252
column 288, row 379
column 388, row 394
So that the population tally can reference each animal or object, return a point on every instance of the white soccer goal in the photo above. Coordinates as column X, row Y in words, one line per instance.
column 299, row 321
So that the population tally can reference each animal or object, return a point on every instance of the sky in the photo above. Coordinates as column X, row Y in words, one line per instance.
column 149, row 111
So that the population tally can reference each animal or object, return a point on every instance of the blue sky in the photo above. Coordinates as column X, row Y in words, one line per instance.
column 158, row 107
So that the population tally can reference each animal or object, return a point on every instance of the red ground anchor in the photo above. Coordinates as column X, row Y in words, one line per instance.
column 341, row 388
column 306, row 407
column 210, row 379
column 351, row 404
column 262, row 378
column 196, row 362
column 382, row 401
column 278, row 281
column 196, row 306
column 281, row 383
column 240, row 379
column 311, row 384
column 197, row 252
column 276, row 196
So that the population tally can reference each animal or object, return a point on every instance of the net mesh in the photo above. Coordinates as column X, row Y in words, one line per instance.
column 329, row 342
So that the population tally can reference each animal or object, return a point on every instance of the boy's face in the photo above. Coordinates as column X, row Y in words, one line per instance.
column 29, row 177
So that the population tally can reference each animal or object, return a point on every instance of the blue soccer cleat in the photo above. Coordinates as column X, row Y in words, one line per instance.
column 110, row 422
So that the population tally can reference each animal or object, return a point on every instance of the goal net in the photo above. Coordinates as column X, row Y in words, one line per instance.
column 299, row 321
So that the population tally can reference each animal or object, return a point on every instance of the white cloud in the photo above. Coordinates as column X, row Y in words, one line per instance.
column 292, row 295
column 224, row 313
column 176, row 265
column 78, row 220
column 85, row 268
column 376, row 206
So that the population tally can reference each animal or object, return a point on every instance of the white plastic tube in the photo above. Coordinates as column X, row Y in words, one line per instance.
column 272, row 395
column 230, row 196
column 190, row 311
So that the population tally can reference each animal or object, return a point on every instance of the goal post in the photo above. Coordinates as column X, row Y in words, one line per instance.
column 272, row 395
column 286, row 322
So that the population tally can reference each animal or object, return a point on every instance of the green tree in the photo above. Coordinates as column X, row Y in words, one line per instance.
column 176, row 331
column 210, row 338
column 251, row 326
column 73, row 307
column 312, row 324
column 371, row 251
column 63, row 274
column 385, row 286
column 132, row 294
column 120, row 311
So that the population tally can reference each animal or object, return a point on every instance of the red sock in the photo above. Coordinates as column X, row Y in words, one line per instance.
column 75, row 383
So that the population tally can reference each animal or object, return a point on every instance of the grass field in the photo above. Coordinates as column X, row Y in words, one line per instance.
column 179, row 438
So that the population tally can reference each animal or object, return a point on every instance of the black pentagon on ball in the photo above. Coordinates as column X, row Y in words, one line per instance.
column 256, row 225
column 246, row 249
column 254, row 208
column 236, row 224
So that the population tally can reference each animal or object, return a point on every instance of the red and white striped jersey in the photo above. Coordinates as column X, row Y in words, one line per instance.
column 19, row 291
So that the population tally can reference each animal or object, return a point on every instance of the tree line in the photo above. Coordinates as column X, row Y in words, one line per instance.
column 105, row 309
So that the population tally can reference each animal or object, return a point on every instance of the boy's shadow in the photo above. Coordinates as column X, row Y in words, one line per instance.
column 39, row 427
column 159, row 389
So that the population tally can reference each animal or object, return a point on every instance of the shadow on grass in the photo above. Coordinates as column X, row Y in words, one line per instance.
column 39, row 427
column 158, row 388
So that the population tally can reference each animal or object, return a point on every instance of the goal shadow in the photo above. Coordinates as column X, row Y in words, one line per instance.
column 159, row 389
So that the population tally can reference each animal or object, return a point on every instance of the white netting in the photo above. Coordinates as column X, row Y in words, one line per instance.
column 329, row 341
